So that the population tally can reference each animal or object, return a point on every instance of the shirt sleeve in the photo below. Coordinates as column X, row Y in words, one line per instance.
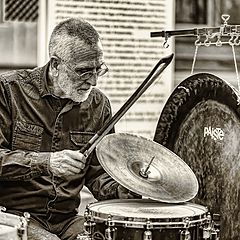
column 17, row 164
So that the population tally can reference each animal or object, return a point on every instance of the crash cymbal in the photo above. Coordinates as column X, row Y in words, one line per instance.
column 147, row 168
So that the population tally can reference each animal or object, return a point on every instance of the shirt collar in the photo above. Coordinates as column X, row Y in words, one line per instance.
column 45, row 90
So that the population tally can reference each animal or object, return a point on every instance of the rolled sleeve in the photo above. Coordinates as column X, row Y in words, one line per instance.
column 40, row 163
column 20, row 165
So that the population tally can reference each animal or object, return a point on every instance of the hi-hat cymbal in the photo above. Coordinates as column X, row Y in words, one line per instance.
column 147, row 168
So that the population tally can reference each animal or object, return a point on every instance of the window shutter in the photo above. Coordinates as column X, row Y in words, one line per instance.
column 21, row 10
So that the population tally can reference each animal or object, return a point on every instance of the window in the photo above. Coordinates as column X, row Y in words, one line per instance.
column 207, row 12
column 232, row 8
column 188, row 11
column 1, row 11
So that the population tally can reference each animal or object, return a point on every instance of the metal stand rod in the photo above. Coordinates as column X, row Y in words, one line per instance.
column 224, row 30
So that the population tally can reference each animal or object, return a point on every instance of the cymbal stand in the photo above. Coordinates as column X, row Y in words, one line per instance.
column 144, row 172
column 224, row 35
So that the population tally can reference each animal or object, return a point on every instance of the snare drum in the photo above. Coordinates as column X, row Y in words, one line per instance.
column 144, row 219
column 12, row 227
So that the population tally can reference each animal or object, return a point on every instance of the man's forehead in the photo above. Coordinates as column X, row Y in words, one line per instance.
column 84, row 52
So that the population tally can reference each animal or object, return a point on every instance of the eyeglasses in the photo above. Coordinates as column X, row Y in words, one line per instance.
column 100, row 71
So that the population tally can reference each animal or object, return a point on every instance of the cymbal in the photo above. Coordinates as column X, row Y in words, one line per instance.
column 147, row 168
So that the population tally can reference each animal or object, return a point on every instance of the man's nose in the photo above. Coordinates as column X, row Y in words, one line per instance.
column 93, row 79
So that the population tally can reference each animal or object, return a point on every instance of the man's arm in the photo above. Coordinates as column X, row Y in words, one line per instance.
column 17, row 164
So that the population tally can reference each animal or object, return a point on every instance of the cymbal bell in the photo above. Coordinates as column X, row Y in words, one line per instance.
column 147, row 168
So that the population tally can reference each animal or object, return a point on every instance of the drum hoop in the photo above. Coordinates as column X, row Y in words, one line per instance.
column 151, row 225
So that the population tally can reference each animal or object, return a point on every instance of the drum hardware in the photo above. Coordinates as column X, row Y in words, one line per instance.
column 144, row 172
column 153, row 75
column 2, row 209
column 88, row 224
column 185, row 234
column 147, row 235
column 210, row 232
column 84, row 237
column 88, row 227
column 110, row 230
column 21, row 229
column 146, row 219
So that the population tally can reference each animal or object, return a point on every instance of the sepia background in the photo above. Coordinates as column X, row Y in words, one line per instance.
column 130, row 52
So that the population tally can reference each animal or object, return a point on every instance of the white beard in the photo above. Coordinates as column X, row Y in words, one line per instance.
column 81, row 96
column 74, row 94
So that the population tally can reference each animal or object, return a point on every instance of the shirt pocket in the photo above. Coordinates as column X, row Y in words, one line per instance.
column 27, row 136
column 79, row 139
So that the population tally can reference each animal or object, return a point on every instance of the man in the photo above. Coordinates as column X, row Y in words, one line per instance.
column 46, row 115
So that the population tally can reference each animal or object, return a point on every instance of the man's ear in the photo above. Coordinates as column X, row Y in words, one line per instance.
column 54, row 64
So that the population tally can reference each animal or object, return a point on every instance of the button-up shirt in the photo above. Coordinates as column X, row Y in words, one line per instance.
column 34, row 123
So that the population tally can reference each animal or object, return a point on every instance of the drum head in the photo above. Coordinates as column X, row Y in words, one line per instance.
column 10, row 225
column 142, row 209
column 7, row 232
column 200, row 123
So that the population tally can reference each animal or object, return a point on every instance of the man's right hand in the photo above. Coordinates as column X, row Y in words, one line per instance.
column 66, row 163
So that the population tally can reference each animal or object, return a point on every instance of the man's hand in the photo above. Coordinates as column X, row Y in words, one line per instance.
column 66, row 163
column 124, row 193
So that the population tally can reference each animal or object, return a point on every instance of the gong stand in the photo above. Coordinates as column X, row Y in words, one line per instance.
column 217, row 36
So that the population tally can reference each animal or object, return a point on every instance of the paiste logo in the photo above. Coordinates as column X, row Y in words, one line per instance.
column 214, row 133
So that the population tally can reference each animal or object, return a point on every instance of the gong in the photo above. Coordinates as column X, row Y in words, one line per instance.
column 200, row 123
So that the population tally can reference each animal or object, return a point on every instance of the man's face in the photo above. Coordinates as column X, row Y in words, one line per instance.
column 77, row 77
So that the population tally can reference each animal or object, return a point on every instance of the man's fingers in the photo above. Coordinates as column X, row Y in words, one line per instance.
column 76, row 155
column 75, row 163
column 67, row 162
column 73, row 170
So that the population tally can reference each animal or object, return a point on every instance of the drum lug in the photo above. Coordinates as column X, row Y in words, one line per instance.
column 88, row 226
column 22, row 226
column 110, row 230
column 209, row 231
column 216, row 227
column 185, row 234
column 2, row 209
column 147, row 235
column 83, row 237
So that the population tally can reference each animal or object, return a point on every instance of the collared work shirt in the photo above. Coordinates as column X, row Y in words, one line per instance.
column 34, row 123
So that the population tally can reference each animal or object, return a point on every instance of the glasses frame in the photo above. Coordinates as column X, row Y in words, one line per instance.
column 100, row 72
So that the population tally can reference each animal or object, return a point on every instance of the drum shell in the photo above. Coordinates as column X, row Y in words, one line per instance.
column 205, row 102
column 131, row 233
